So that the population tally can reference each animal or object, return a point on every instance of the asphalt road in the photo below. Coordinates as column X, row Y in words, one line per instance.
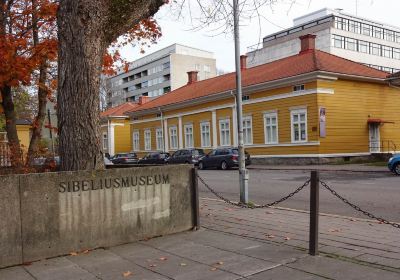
column 375, row 192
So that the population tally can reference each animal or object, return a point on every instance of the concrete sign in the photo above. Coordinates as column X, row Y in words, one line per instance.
column 65, row 212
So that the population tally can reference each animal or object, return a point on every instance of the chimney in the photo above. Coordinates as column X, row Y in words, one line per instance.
column 192, row 77
column 143, row 100
column 307, row 43
column 243, row 62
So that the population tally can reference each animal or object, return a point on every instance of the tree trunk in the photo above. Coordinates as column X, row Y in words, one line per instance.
column 85, row 29
column 11, row 127
column 42, row 93
column 41, row 115
column 78, row 87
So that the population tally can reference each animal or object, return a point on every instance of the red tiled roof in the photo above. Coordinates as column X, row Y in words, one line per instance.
column 307, row 62
column 119, row 110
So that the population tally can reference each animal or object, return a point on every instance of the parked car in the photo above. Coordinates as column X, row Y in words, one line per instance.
column 394, row 164
column 223, row 158
column 124, row 158
column 191, row 156
column 155, row 158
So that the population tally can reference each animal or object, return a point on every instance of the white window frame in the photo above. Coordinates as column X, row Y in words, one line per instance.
column 292, row 123
column 270, row 116
column 188, row 144
column 173, row 137
column 136, row 140
column 227, row 123
column 247, row 141
column 105, row 141
column 147, row 140
column 159, row 139
column 205, row 135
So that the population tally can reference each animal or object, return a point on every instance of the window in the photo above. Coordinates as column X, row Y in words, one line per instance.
column 351, row 44
column 224, row 132
column 245, row 97
column 338, row 41
column 167, row 89
column 366, row 29
column 363, row 47
column 247, row 131
column 147, row 139
column 105, row 141
column 271, row 128
column 159, row 139
column 298, row 87
column 354, row 26
column 197, row 67
column 377, row 32
column 173, row 137
column 299, row 125
column 188, row 135
column 387, row 51
column 389, row 35
column 205, row 134
column 396, row 53
column 375, row 49
column 166, row 65
column 136, row 143
column 207, row 68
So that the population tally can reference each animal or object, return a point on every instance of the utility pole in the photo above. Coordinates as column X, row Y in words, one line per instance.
column 243, row 173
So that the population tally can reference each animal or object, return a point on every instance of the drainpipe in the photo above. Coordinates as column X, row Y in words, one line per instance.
column 162, row 128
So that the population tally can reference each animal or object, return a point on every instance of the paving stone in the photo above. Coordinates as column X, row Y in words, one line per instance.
column 284, row 273
column 341, row 251
column 15, row 273
column 107, row 265
column 337, row 269
column 172, row 266
column 58, row 268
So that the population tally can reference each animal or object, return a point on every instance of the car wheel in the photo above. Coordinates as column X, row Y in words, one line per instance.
column 201, row 165
column 396, row 168
column 224, row 165
column 186, row 162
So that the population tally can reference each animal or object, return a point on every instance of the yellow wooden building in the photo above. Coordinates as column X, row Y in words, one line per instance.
column 312, row 105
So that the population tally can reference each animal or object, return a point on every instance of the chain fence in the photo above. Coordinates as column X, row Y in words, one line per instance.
column 357, row 208
column 250, row 206
column 297, row 190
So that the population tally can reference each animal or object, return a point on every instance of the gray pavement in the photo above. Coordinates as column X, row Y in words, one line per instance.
column 236, row 243
column 325, row 167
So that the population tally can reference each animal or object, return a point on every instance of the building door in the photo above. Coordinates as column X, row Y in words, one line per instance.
column 374, row 138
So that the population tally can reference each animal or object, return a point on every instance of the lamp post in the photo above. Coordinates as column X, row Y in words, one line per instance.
column 243, row 172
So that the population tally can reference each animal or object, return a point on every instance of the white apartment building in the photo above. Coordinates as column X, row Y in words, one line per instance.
column 362, row 40
column 159, row 73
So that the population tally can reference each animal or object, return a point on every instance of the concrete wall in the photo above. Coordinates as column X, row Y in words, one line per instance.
column 51, row 214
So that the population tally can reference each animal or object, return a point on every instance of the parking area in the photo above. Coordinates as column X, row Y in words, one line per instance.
column 376, row 192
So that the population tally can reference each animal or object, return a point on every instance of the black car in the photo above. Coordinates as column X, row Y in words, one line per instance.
column 191, row 156
column 223, row 158
column 124, row 158
column 155, row 158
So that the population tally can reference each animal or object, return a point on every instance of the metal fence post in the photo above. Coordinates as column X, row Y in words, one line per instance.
column 196, row 200
column 314, row 213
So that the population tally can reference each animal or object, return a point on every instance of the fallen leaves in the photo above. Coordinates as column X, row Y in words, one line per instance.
column 270, row 236
column 78, row 253
column 163, row 258
column 183, row 264
column 287, row 238
column 127, row 273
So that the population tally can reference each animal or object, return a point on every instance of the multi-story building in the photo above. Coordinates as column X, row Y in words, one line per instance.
column 369, row 42
column 159, row 73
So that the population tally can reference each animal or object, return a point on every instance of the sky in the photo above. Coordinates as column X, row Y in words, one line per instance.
column 277, row 18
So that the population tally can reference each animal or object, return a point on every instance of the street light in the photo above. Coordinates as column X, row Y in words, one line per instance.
column 243, row 173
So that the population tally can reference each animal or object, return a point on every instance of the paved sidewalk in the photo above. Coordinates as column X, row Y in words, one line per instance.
column 325, row 167
column 237, row 244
